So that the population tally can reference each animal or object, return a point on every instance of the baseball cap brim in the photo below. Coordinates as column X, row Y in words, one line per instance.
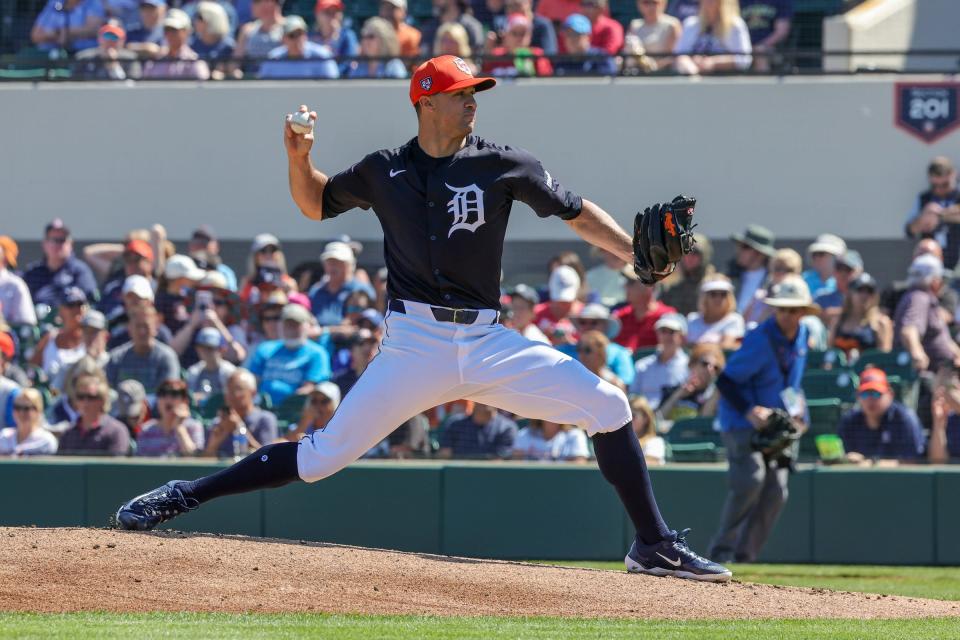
column 481, row 84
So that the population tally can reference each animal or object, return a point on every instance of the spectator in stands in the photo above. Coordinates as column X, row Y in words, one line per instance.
column 138, row 260
column 484, row 433
column 328, row 296
column 93, row 431
column 786, row 263
column 948, row 297
column 363, row 348
column 212, row 39
column 606, row 281
column 544, row 440
column 173, row 433
column 521, row 317
column 880, row 428
column 298, row 57
column 93, row 326
column 70, row 25
column 137, row 293
column 769, row 24
column 823, row 255
column 266, row 325
column 318, row 407
column 143, row 358
column 698, row 395
column 683, row 9
column 945, row 431
column 849, row 266
column 861, row 325
column 607, row 33
column 379, row 50
column 147, row 36
column 715, row 40
column 258, row 38
column 667, row 368
column 131, row 407
column 570, row 259
column 110, row 59
column 63, row 412
column 8, row 353
column 180, row 277
column 59, row 269
column 645, row 426
column 919, row 328
column 682, row 290
column 239, row 416
column 596, row 317
column 266, row 269
column 581, row 58
column 210, row 374
column 179, row 61
column 638, row 317
column 28, row 437
column 16, row 305
column 409, row 38
column 553, row 317
column 452, row 11
column 216, row 307
column 764, row 374
column 333, row 34
column 557, row 10
column 753, row 250
column 204, row 244
column 452, row 40
column 716, row 321
column 544, row 36
column 936, row 213
column 515, row 56
column 9, row 390
column 592, row 354
column 293, row 365
column 60, row 347
column 655, row 34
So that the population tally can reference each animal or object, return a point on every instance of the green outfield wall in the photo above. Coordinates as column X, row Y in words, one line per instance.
column 516, row 511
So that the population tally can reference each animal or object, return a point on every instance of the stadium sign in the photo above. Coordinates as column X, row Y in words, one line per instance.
column 926, row 110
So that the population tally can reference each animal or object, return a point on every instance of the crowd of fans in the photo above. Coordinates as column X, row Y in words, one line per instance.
column 218, row 39
column 135, row 348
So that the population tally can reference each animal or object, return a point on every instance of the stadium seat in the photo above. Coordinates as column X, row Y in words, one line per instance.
column 209, row 408
column 289, row 411
column 695, row 440
column 824, row 417
column 828, row 359
column 643, row 352
column 838, row 383
column 893, row 363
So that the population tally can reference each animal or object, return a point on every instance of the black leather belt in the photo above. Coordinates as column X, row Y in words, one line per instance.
column 443, row 314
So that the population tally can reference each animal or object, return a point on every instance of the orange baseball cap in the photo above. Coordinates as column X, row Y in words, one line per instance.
column 114, row 30
column 7, row 348
column 140, row 247
column 873, row 379
column 10, row 251
column 444, row 74
column 323, row 5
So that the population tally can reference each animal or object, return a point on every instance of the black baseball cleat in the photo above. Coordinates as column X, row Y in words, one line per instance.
column 146, row 511
column 674, row 558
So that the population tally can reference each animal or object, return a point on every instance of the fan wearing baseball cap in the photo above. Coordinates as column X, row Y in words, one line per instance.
column 880, row 428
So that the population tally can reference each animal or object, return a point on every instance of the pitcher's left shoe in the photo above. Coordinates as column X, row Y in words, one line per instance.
column 674, row 558
column 146, row 511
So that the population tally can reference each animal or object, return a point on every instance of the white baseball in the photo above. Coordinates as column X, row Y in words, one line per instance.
column 301, row 123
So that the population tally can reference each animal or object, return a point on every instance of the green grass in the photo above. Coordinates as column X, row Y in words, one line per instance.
column 939, row 583
column 183, row 625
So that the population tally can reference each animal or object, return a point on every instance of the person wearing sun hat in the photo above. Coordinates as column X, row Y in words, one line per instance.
column 752, row 253
column 763, row 375
column 717, row 320
column 824, row 255
column 596, row 317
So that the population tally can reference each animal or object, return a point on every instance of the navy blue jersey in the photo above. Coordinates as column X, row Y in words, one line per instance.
column 444, row 219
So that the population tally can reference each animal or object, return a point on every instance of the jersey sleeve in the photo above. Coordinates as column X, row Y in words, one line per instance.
column 533, row 185
column 351, row 188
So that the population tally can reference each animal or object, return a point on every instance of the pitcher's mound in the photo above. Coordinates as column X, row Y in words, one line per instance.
column 54, row 570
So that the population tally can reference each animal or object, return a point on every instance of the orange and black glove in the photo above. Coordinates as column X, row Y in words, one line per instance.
column 662, row 234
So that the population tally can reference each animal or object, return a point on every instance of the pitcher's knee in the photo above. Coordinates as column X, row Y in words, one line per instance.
column 610, row 409
column 315, row 464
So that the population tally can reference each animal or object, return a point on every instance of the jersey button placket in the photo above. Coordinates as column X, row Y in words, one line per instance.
column 434, row 225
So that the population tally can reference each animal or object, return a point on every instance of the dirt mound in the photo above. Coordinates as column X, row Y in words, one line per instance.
column 54, row 570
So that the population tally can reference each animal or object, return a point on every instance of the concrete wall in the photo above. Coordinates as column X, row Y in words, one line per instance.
column 802, row 155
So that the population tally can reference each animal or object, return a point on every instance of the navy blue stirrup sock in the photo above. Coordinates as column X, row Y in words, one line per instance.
column 271, row 466
column 621, row 462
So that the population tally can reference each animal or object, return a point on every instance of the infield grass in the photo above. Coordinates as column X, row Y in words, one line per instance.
column 939, row 583
column 80, row 626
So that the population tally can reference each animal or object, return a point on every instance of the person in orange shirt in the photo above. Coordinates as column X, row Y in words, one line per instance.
column 395, row 12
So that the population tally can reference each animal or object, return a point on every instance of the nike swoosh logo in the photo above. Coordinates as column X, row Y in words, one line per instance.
column 674, row 563
column 396, row 173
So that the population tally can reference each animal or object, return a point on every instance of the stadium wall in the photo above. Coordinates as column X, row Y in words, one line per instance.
column 802, row 155
column 515, row 511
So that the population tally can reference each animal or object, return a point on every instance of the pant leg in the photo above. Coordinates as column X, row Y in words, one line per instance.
column 415, row 370
column 745, row 479
column 764, row 515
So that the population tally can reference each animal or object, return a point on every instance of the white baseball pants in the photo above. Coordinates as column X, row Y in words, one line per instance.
column 424, row 362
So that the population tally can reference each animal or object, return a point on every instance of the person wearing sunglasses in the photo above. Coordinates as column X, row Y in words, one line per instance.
column 861, row 324
column 880, row 428
column 596, row 317
column 764, row 374
column 698, row 395
column 592, row 353
column 60, row 347
column 937, row 210
column 28, row 437
column 110, row 59
column 667, row 368
column 716, row 320
column 318, row 408
column 266, row 270
column 59, row 269
column 173, row 433
column 94, row 432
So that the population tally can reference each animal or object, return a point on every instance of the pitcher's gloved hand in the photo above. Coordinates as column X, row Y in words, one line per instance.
column 662, row 234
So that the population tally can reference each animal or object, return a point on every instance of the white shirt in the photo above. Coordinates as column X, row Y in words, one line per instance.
column 564, row 445
column 40, row 442
column 750, row 282
column 653, row 376
column 698, row 331
column 736, row 43
column 533, row 332
column 607, row 283
column 655, row 448
column 15, row 299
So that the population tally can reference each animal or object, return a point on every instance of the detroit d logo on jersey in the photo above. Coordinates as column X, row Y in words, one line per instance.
column 466, row 207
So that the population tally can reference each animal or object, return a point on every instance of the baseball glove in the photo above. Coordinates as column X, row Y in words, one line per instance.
column 661, row 235
column 777, row 436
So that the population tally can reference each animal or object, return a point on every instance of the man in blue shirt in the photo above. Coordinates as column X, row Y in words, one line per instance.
column 764, row 374
column 483, row 434
column 293, row 364
column 150, row 29
column 328, row 296
column 579, row 58
column 880, row 429
column 68, row 24
column 298, row 57
column 59, row 270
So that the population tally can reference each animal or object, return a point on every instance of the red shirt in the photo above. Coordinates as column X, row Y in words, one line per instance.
column 535, row 62
column 637, row 334
column 557, row 10
column 547, row 322
column 607, row 35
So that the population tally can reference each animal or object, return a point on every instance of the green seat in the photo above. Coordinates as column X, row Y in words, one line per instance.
column 829, row 359
column 695, row 440
column 210, row 407
column 893, row 363
column 289, row 411
column 824, row 418
column 643, row 352
column 837, row 383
